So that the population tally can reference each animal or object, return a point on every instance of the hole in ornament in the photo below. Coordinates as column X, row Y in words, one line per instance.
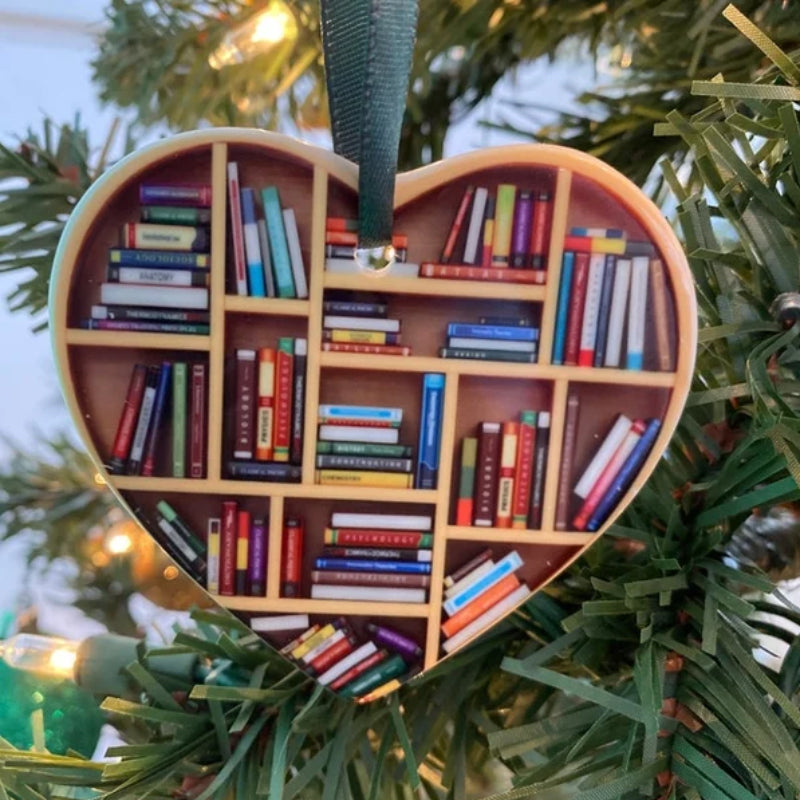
column 375, row 260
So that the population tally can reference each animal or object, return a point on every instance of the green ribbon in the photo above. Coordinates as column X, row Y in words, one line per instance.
column 368, row 46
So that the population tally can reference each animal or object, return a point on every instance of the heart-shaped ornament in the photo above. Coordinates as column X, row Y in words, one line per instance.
column 373, row 474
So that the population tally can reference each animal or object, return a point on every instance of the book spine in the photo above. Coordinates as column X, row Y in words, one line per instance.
column 242, row 551
column 350, row 239
column 351, row 477
column 360, row 337
column 364, row 449
column 458, row 222
column 147, row 236
column 539, row 468
column 488, row 234
column 332, row 577
column 332, row 655
column 521, row 232
column 562, row 310
column 266, row 258
column 602, row 456
column 454, row 578
column 505, row 345
column 502, row 333
column 540, row 231
column 660, row 314
column 150, row 276
column 298, row 401
column 155, row 430
column 506, row 474
column 127, row 314
column 373, row 565
column 390, row 553
column 279, row 247
column 265, row 413
column 503, row 224
column 567, row 460
column 475, row 575
column 472, row 253
column 356, row 537
column 517, row 322
column 603, row 311
column 598, row 233
column 591, row 310
column 467, row 273
column 523, row 485
column 580, row 281
column 486, row 474
column 361, row 323
column 165, row 259
column 292, row 557
column 342, row 224
column 145, row 327
column 263, row 471
column 356, row 433
column 365, row 462
column 430, row 431
column 127, row 420
column 197, row 422
column 336, row 252
column 616, row 315
column 295, row 253
column 284, row 367
column 279, row 622
column 637, row 313
column 375, row 349
column 405, row 522
column 252, row 245
column 347, row 665
column 237, row 229
column 378, row 594
column 227, row 548
column 354, row 308
column 470, row 354
column 244, row 413
column 175, row 194
column 213, row 539
column 364, row 665
column 506, row 566
column 134, row 466
column 176, row 215
column 594, row 244
column 178, row 548
column 257, row 564
column 480, row 605
column 387, row 669
column 466, row 482
column 132, row 294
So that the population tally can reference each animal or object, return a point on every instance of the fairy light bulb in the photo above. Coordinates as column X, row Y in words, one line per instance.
column 47, row 656
column 271, row 26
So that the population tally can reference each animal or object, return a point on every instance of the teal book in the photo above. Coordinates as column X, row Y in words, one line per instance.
column 279, row 247
column 179, row 420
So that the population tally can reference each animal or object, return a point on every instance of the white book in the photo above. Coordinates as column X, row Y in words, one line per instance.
column 611, row 443
column 470, row 578
column 266, row 258
column 475, row 229
column 378, row 594
column 326, row 643
column 350, row 660
column 491, row 344
column 361, row 323
column 295, row 253
column 498, row 610
column 616, row 315
column 358, row 433
column 348, row 266
column 502, row 569
column 237, row 228
column 147, row 276
column 395, row 522
column 280, row 622
column 130, row 294
column 591, row 309
column 637, row 312
column 142, row 424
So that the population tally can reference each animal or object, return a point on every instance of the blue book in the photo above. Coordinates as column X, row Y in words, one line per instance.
column 373, row 565
column 430, row 431
column 603, row 310
column 500, row 332
column 392, row 417
column 157, row 419
column 505, row 566
column 279, row 247
column 562, row 310
column 252, row 245
column 624, row 478
column 169, row 259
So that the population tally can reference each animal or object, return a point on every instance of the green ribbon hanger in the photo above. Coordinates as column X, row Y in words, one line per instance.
column 368, row 45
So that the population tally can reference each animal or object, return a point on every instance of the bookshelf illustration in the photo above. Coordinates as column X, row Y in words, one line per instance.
column 380, row 548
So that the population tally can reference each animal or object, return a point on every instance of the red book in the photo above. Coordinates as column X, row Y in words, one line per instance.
column 539, row 467
column 197, row 422
column 242, row 551
column 371, row 578
column 486, row 470
column 540, row 231
column 127, row 420
column 265, row 404
column 227, row 548
column 341, row 224
column 237, row 229
column 292, row 557
column 350, row 239
column 567, row 457
column 468, row 273
column 376, row 349
column 524, row 470
column 577, row 300
column 507, row 471
column 368, row 663
column 336, row 652
column 284, row 364
column 245, row 404
column 458, row 223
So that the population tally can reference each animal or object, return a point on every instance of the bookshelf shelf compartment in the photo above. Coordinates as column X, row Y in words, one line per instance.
column 285, row 605
column 512, row 536
column 129, row 339
column 266, row 305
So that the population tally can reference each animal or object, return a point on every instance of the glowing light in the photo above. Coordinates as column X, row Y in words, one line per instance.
column 42, row 655
column 99, row 479
column 63, row 660
column 119, row 543
column 170, row 573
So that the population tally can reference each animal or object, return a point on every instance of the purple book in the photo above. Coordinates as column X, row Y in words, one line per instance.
column 257, row 560
column 175, row 194
column 521, row 231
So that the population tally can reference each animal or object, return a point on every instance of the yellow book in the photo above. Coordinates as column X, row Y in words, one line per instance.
column 355, row 477
column 361, row 337
column 613, row 246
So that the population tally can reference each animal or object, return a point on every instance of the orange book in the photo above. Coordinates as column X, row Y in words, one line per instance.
column 480, row 605
column 505, row 484
column 265, row 404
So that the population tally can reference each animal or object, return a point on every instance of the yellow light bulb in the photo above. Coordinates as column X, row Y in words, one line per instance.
column 272, row 25
column 119, row 543
column 62, row 661
column 42, row 655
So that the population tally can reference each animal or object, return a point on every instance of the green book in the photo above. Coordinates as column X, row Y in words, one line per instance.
column 179, row 372
column 466, row 482
column 279, row 247
column 364, row 449
column 176, row 215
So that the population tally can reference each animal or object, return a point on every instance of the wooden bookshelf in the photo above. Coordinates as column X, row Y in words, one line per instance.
column 95, row 366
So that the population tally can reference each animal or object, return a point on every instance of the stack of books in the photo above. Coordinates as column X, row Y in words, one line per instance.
column 501, row 483
column 339, row 657
column 352, row 326
column 161, row 398
column 269, row 412
column 492, row 339
column 265, row 242
column 184, row 546
column 157, row 280
column 375, row 557
column 502, row 237
column 603, row 306
column 609, row 473
column 479, row 593
column 341, row 239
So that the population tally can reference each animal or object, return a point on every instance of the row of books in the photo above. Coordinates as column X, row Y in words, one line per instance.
column 492, row 339
column 360, row 445
column 349, row 325
column 157, row 279
column 269, row 411
column 341, row 240
column 502, row 472
column 265, row 242
column 161, row 398
column 603, row 308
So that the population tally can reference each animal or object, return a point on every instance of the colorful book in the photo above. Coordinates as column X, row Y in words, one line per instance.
column 466, row 483
column 227, row 548
column 467, row 273
column 506, row 474
column 380, row 553
column 539, row 468
column 134, row 465
column 602, row 456
column 237, row 229
column 474, row 575
column 501, row 333
column 523, row 469
column 190, row 329
column 521, row 230
column 504, row 567
column 458, row 222
column 183, row 194
column 295, row 253
column 360, row 337
column 400, row 522
column 503, row 225
column 358, row 433
column 467, row 568
column 378, row 463
column 374, row 537
column 252, row 244
column 562, row 310
column 472, row 252
column 176, row 215
column 284, row 367
column 604, row 311
column 430, row 431
column 123, row 439
column 352, row 477
column 131, row 294
column 567, row 459
column 332, row 577
column 471, row 354
column 245, row 404
column 257, row 563
column 617, row 313
column 197, row 421
column 480, row 605
column 637, row 313
column 577, row 301
column 355, row 415
column 165, row 259
column 591, row 310
column 265, row 404
column 594, row 244
column 488, row 233
column 373, row 565
column 364, row 449
column 292, row 557
column 658, row 286
column 149, row 236
column 242, row 551
column 263, row 471
column 298, row 401
column 266, row 258
column 156, row 276
column 540, row 233
column 279, row 247
column 162, row 315
column 379, row 594
column 155, row 429
column 212, row 569
column 487, row 465
column 354, row 308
